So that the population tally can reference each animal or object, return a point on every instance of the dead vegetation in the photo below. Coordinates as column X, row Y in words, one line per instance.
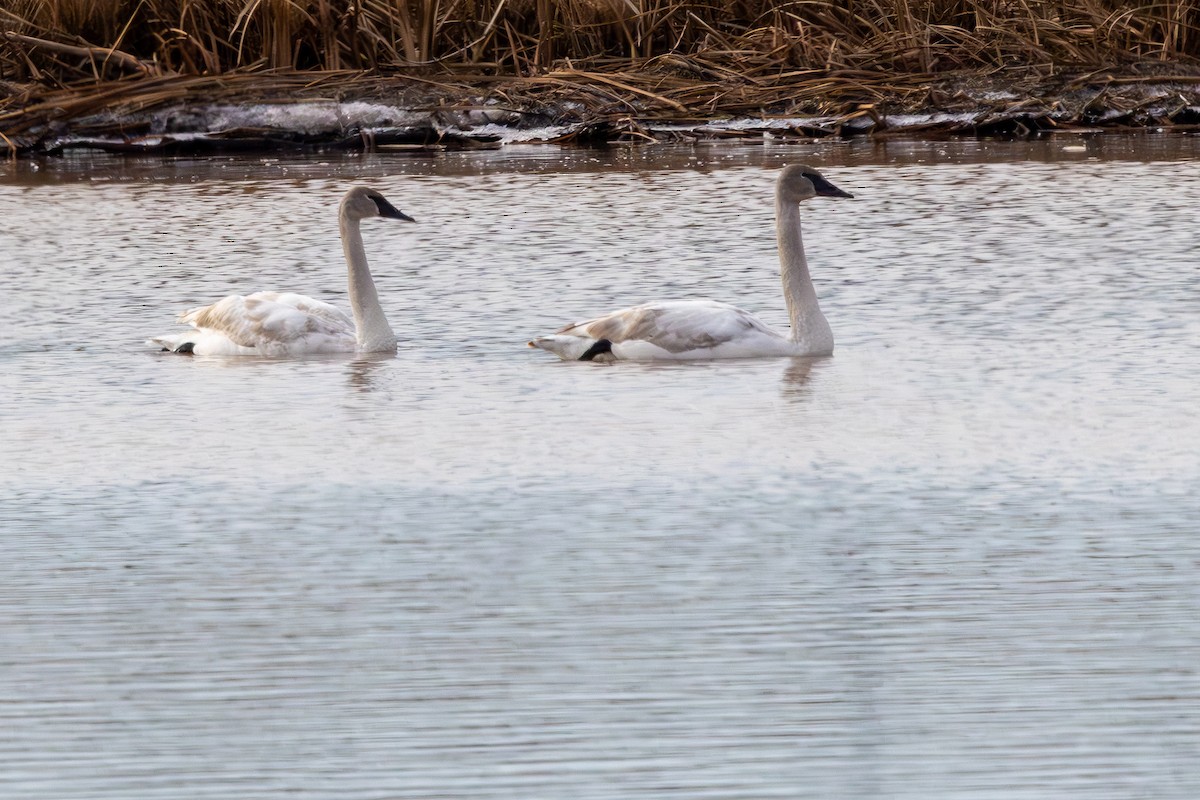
column 62, row 60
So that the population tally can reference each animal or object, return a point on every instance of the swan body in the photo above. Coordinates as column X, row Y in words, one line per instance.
column 678, row 330
column 670, row 330
column 277, row 324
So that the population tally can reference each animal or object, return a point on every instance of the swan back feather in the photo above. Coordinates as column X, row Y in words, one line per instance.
column 671, row 330
column 276, row 323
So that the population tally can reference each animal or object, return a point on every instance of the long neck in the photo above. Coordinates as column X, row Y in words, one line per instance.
column 374, row 333
column 808, row 323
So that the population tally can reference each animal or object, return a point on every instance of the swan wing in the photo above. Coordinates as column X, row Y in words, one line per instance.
column 670, row 330
column 269, row 323
column 677, row 327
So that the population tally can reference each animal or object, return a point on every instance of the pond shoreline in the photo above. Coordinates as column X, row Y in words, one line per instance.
column 297, row 110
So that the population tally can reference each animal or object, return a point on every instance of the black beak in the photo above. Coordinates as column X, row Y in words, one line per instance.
column 825, row 188
column 388, row 210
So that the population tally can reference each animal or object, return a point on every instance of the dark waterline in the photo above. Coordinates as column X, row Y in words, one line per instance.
column 1147, row 147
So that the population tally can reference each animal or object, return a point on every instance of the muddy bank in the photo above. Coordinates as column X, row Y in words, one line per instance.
column 359, row 111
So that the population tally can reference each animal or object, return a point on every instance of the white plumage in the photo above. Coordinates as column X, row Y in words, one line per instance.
column 670, row 330
column 264, row 324
column 287, row 324
column 676, row 330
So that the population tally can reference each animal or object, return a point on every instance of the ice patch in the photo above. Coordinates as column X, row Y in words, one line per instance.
column 991, row 97
column 768, row 124
column 901, row 121
column 309, row 118
column 507, row 134
column 1113, row 114
column 744, row 124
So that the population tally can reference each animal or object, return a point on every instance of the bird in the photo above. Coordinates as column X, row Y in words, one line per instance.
column 677, row 330
column 281, row 324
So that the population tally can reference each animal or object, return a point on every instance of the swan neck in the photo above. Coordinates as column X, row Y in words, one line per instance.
column 809, row 327
column 371, row 327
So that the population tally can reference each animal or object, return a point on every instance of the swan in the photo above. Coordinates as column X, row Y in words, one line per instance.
column 288, row 324
column 675, row 330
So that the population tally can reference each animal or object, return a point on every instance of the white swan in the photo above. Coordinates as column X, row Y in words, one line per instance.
column 676, row 330
column 286, row 324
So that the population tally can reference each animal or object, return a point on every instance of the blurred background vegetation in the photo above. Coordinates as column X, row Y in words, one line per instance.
column 72, row 40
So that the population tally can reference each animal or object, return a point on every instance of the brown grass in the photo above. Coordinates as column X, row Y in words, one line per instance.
column 524, row 37
column 61, row 59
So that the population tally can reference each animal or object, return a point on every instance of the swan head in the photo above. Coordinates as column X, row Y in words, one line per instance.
column 361, row 202
column 799, row 182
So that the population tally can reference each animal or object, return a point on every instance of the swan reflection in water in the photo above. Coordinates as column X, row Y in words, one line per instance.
column 798, row 374
column 362, row 372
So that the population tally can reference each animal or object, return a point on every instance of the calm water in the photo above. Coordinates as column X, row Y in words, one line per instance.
column 959, row 559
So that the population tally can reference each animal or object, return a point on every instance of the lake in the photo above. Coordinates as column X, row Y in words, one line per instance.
column 957, row 559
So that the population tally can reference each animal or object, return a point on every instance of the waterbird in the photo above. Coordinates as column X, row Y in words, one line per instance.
column 289, row 324
column 674, row 330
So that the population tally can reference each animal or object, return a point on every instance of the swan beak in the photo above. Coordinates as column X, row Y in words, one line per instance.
column 826, row 189
column 388, row 210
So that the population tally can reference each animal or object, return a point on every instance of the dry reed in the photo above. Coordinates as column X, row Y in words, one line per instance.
column 656, row 57
column 523, row 37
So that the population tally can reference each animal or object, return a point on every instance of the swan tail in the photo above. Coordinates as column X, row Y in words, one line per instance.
column 178, row 343
column 560, row 346
column 575, row 348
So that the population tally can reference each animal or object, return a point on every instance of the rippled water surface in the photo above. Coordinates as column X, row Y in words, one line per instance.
column 958, row 559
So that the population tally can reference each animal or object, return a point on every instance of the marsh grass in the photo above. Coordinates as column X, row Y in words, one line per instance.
column 522, row 37
column 60, row 59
